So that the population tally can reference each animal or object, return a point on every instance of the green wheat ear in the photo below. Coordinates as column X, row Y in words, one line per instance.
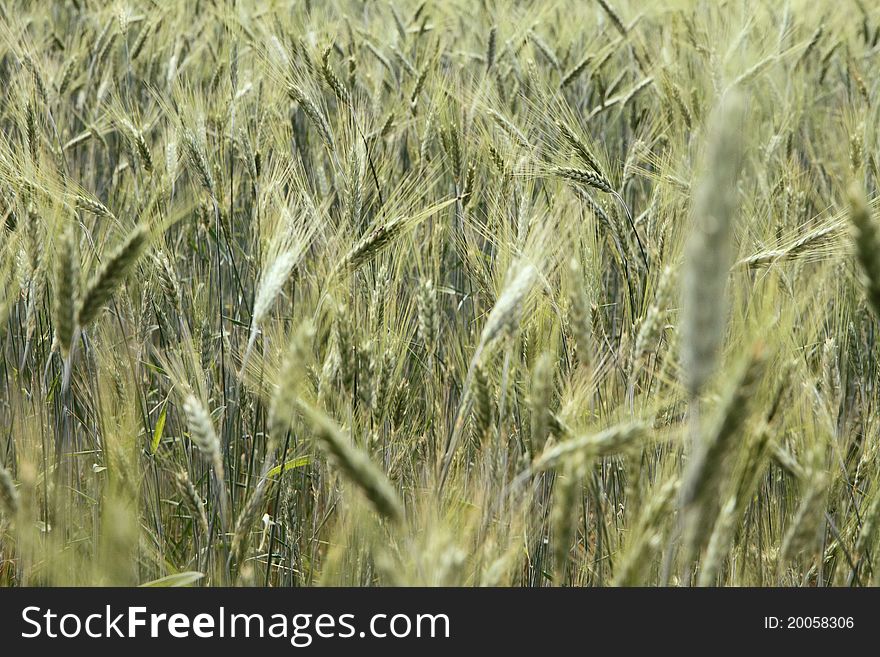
column 9, row 498
column 66, row 290
column 866, row 240
column 355, row 464
column 708, row 249
column 111, row 274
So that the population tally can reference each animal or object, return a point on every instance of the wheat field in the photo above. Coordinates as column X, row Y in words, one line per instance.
column 439, row 293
